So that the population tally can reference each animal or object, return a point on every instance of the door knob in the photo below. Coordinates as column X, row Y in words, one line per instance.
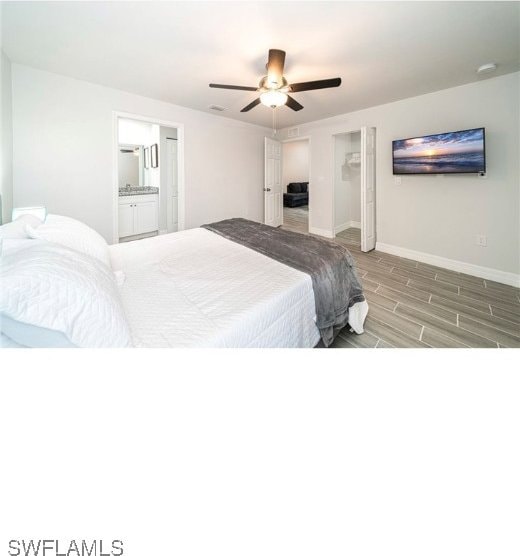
column 267, row 189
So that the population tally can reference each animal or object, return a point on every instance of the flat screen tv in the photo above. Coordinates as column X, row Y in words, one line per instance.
column 455, row 152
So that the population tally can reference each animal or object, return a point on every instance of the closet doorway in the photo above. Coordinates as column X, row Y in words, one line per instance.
column 354, row 187
column 295, row 183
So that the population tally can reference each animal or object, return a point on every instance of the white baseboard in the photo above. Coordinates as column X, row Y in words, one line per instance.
column 321, row 232
column 161, row 232
column 485, row 272
column 346, row 226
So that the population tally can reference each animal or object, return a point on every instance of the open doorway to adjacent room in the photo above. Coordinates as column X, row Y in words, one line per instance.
column 295, row 183
column 148, row 173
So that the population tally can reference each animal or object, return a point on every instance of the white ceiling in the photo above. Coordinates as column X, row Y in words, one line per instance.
column 383, row 51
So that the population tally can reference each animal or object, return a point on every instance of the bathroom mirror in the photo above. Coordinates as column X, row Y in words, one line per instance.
column 131, row 166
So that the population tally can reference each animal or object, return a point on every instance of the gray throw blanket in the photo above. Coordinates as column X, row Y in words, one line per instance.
column 334, row 281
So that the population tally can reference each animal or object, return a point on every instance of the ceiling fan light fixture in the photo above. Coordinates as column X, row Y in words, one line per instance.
column 273, row 89
column 273, row 99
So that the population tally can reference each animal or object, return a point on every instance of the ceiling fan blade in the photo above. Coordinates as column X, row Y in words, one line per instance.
column 255, row 102
column 291, row 103
column 275, row 65
column 235, row 87
column 312, row 85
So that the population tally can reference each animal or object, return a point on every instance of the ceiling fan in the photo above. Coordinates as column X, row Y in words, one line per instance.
column 273, row 87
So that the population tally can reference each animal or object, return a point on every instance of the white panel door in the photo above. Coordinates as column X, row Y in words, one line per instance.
column 273, row 183
column 175, row 214
column 126, row 220
column 368, row 188
column 172, row 208
column 146, row 217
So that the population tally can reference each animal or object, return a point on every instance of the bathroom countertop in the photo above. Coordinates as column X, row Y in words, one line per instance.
column 146, row 190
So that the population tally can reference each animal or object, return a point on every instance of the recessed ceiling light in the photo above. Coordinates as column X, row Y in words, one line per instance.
column 487, row 68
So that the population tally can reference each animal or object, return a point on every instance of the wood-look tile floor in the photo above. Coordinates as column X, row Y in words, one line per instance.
column 416, row 305
column 296, row 219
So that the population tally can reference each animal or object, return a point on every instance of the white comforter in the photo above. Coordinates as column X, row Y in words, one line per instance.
column 198, row 289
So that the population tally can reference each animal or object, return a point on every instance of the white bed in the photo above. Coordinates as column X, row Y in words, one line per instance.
column 188, row 289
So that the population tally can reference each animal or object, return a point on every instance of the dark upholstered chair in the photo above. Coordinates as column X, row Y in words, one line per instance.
column 297, row 194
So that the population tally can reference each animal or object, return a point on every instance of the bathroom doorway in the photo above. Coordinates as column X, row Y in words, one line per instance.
column 148, row 177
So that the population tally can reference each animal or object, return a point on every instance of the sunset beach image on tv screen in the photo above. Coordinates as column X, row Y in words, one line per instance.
column 444, row 153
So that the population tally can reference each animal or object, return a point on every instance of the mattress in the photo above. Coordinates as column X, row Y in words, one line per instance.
column 197, row 289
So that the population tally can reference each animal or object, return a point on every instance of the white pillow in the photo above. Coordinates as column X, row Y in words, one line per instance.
column 39, row 212
column 59, row 289
column 17, row 228
column 8, row 246
column 72, row 233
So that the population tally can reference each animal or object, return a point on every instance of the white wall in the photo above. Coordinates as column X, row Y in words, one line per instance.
column 134, row 132
column 6, row 126
column 59, row 123
column 295, row 157
column 153, row 175
column 436, row 215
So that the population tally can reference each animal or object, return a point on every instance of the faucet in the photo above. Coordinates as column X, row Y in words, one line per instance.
column 128, row 187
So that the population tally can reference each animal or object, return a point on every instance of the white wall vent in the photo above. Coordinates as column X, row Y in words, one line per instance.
column 217, row 108
column 293, row 132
